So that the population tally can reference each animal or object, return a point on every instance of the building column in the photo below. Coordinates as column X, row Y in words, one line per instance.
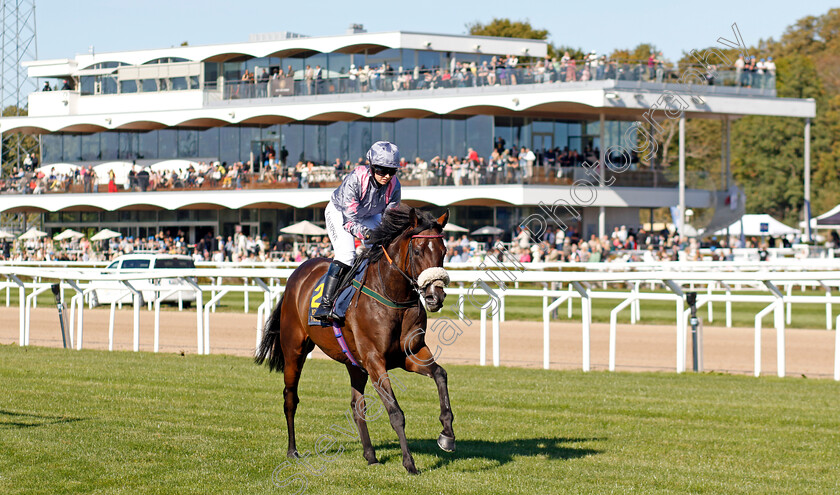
column 602, row 213
column 682, row 176
column 808, row 233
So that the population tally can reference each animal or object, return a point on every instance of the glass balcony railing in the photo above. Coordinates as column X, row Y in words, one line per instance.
column 308, row 83
column 330, row 177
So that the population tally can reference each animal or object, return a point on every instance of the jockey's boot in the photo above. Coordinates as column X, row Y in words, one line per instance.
column 335, row 272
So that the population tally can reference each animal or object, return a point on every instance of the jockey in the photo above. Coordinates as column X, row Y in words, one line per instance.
column 354, row 210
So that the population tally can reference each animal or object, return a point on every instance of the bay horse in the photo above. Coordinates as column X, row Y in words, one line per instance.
column 380, row 336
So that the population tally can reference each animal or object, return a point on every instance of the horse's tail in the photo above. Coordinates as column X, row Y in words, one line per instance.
column 270, row 346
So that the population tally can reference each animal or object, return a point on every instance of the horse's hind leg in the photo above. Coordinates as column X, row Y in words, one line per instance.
column 423, row 363
column 294, row 361
column 382, row 384
column 358, row 379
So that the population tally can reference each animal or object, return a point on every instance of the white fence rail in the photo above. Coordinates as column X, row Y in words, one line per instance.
column 467, row 285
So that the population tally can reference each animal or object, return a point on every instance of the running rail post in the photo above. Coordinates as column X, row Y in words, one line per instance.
column 681, row 347
column 779, row 323
column 828, row 309
column 586, row 310
column 837, row 349
column 21, row 301
column 631, row 301
column 199, row 320
column 546, row 332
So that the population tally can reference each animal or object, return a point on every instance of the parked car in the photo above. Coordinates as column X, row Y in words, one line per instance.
column 149, row 288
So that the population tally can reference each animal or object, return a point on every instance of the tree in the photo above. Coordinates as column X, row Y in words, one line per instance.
column 16, row 145
column 505, row 28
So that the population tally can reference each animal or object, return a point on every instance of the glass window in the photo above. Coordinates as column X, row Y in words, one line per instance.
column 337, row 141
column 110, row 144
column 208, row 143
column 405, row 131
column 69, row 216
column 383, row 131
column 407, row 58
column 229, row 151
column 129, row 144
column 148, row 145
column 543, row 127
column 128, row 86
column 480, row 134
column 337, row 63
column 90, row 147
column 90, row 216
column 561, row 135
column 187, row 143
column 429, row 142
column 194, row 84
column 314, row 143
column 136, row 264
column 211, row 74
column 149, row 85
column 167, row 143
column 360, row 139
column 428, row 59
column 108, row 85
column 174, row 263
column 455, row 137
column 292, row 140
column 233, row 71
column 51, row 148
column 72, row 148
column 391, row 56
column 178, row 83
column 246, row 136
column 88, row 84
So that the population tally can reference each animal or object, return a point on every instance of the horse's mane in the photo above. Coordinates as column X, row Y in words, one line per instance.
column 394, row 223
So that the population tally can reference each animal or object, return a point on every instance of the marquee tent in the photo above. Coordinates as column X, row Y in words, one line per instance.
column 761, row 224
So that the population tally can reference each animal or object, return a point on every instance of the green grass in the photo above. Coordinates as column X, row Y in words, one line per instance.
column 98, row 422
column 530, row 309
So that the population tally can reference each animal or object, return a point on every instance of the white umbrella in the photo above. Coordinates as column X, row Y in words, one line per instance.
column 304, row 228
column 68, row 234
column 105, row 234
column 488, row 230
column 32, row 233
column 6, row 235
column 451, row 227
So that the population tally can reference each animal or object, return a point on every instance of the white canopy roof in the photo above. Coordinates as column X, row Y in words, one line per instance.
column 60, row 168
column 761, row 224
column 120, row 169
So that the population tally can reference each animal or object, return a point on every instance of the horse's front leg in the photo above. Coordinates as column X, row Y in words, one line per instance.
column 382, row 384
column 423, row 363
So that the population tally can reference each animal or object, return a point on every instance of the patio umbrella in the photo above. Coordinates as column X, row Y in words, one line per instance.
column 105, row 234
column 68, row 234
column 304, row 228
column 6, row 235
column 488, row 230
column 451, row 227
column 32, row 233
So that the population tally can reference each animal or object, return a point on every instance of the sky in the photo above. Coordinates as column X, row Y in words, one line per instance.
column 66, row 28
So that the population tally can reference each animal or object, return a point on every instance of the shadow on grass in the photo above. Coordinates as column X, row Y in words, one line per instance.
column 501, row 452
column 27, row 420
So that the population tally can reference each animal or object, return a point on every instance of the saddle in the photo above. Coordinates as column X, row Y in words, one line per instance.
column 344, row 293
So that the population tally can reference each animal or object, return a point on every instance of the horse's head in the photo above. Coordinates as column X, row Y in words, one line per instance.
column 425, row 257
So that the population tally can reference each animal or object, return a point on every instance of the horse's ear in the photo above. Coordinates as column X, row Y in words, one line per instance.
column 443, row 219
column 412, row 218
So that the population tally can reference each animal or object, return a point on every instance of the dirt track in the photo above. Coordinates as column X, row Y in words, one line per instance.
column 639, row 347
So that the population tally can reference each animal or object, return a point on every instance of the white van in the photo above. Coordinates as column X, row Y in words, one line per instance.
column 149, row 288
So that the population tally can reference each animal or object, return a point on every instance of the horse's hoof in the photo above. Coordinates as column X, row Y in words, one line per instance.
column 412, row 470
column 293, row 454
column 446, row 444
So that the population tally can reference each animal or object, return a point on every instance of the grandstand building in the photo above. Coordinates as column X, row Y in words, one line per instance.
column 320, row 99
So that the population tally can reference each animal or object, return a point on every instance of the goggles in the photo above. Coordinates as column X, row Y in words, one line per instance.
column 383, row 171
